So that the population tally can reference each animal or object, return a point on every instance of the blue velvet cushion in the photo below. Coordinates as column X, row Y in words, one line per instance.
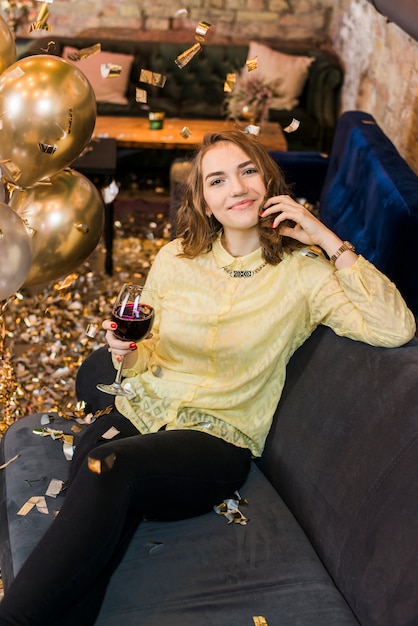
column 370, row 197
column 304, row 171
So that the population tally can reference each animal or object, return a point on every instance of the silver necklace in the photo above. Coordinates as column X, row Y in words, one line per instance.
column 243, row 273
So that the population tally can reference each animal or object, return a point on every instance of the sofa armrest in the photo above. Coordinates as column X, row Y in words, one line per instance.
column 342, row 453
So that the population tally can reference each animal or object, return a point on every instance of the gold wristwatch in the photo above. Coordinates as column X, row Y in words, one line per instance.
column 346, row 246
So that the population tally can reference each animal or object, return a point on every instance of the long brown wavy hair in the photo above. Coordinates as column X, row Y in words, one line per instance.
column 197, row 231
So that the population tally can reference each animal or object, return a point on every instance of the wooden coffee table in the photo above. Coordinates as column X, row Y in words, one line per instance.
column 134, row 132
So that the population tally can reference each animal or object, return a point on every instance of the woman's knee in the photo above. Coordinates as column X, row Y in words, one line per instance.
column 96, row 368
column 112, row 425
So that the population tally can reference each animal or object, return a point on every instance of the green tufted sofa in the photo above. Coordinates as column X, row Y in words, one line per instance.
column 197, row 90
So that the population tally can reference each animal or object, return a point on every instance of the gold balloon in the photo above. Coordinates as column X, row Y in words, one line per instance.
column 7, row 46
column 15, row 252
column 48, row 113
column 66, row 217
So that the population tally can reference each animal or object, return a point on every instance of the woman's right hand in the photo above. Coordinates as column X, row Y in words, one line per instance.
column 118, row 347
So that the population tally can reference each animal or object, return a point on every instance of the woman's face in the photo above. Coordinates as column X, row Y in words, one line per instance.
column 233, row 188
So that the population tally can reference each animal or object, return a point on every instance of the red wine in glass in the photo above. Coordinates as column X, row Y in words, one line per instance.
column 133, row 324
column 134, row 318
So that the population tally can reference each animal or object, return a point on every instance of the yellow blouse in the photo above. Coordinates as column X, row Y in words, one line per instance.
column 220, row 345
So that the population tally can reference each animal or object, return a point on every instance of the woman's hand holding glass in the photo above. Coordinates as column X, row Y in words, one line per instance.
column 121, row 350
column 132, row 318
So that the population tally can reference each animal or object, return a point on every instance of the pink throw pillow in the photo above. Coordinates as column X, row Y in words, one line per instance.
column 291, row 70
column 109, row 89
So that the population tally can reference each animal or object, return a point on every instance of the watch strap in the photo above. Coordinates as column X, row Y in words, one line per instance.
column 345, row 246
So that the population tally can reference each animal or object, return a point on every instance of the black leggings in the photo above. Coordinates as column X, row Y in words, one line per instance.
column 167, row 475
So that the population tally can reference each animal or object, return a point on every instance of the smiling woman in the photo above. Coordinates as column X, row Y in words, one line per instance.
column 196, row 222
column 205, row 385
column 234, row 195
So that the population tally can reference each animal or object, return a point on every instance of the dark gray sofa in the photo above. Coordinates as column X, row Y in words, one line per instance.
column 197, row 91
column 332, row 537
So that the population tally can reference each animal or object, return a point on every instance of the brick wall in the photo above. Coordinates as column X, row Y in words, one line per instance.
column 381, row 61
column 264, row 19
column 381, row 72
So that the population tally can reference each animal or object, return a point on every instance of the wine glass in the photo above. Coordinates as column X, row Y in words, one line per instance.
column 134, row 318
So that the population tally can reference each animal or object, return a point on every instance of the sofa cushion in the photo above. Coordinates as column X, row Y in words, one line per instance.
column 197, row 571
column 304, row 172
column 291, row 71
column 111, row 89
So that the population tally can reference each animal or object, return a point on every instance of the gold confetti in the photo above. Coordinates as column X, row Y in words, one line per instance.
column 92, row 330
column 28, row 506
column 108, row 70
column 66, row 282
column 229, row 84
column 38, row 501
column 110, row 433
column 47, row 148
column 251, row 129
column 152, row 78
column 98, row 466
column 85, row 53
column 82, row 228
column 180, row 13
column 294, row 125
column 141, row 95
column 14, row 170
column 9, row 461
column 48, row 46
column 201, row 30
column 68, row 450
column 39, row 26
column 43, row 13
column 54, row 488
column 104, row 411
column 80, row 408
column 41, row 21
column 186, row 56
column 259, row 620
column 229, row 508
column 185, row 132
column 41, row 505
column 110, row 192
column 94, row 465
column 68, row 439
column 252, row 63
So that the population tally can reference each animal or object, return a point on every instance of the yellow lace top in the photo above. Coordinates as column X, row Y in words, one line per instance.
column 217, row 358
